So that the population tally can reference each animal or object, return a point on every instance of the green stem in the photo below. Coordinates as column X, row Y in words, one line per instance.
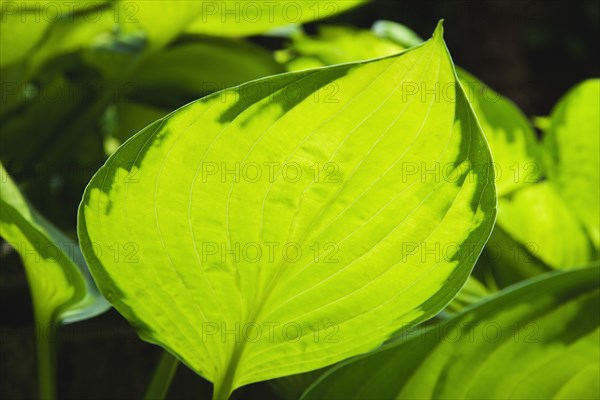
column 46, row 351
column 223, row 388
column 163, row 376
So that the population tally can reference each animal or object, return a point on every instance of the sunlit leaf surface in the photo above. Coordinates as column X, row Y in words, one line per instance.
column 573, row 144
column 294, row 221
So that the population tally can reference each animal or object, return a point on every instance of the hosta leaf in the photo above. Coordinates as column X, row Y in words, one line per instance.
column 544, row 224
column 29, row 35
column 349, row 246
column 505, row 261
column 538, row 340
column 335, row 45
column 291, row 387
column 573, row 144
column 38, row 32
column 161, row 21
column 200, row 68
column 512, row 140
column 398, row 33
column 40, row 120
column 61, row 287
column 175, row 75
column 127, row 118
column 245, row 18
column 471, row 293
column 537, row 217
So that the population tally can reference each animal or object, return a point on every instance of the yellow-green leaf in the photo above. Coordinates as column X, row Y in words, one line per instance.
column 573, row 144
column 287, row 224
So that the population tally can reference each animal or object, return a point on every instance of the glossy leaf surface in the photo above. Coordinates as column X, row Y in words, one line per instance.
column 280, row 226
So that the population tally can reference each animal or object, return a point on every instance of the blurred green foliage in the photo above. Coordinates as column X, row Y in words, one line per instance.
column 78, row 79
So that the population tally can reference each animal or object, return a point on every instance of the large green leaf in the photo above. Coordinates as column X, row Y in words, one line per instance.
column 334, row 223
column 573, row 144
column 542, row 227
column 538, row 340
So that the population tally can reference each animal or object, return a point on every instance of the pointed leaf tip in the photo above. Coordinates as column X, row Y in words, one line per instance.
column 439, row 30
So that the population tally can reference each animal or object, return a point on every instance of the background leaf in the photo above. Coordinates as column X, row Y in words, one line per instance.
column 573, row 145
column 191, row 70
column 246, row 18
column 537, row 217
column 551, row 223
column 398, row 33
column 334, row 45
column 536, row 340
column 61, row 288
column 513, row 142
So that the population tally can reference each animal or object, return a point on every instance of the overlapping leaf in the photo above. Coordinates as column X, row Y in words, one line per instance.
column 287, row 224
column 200, row 68
column 334, row 45
column 34, row 33
column 557, row 220
column 512, row 140
column 537, row 340
column 61, row 287
column 245, row 18
column 537, row 217
column 161, row 21
column 573, row 144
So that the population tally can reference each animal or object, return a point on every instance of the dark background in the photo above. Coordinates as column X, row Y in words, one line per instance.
column 530, row 51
